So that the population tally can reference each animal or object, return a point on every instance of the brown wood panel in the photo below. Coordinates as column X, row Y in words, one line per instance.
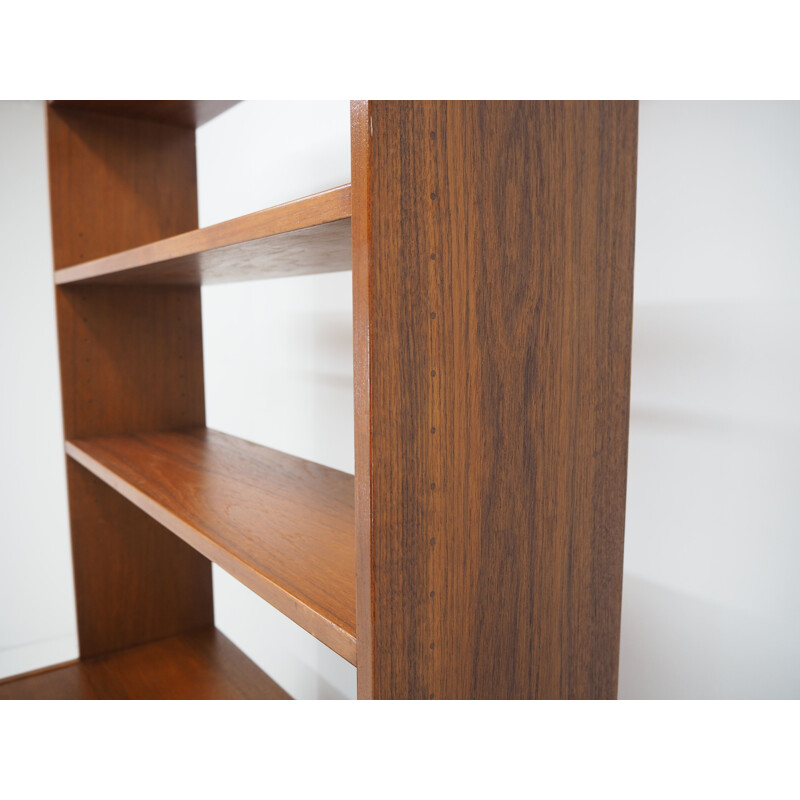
column 130, row 358
column 305, row 236
column 281, row 525
column 117, row 183
column 493, row 259
column 183, row 113
column 361, row 223
column 134, row 580
column 203, row 665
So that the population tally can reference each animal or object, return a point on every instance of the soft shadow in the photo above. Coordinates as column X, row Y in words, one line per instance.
column 676, row 646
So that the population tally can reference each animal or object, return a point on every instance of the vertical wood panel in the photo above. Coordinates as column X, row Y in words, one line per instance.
column 361, row 225
column 134, row 580
column 131, row 359
column 497, row 281
column 117, row 183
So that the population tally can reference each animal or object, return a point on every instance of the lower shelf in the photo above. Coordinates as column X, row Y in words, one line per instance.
column 281, row 525
column 203, row 665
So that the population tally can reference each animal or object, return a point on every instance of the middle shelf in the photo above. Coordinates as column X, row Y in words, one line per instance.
column 281, row 525
column 302, row 237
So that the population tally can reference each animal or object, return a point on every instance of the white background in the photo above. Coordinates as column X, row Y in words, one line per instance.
column 710, row 604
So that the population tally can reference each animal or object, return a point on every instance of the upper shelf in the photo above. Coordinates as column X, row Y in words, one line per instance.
column 304, row 236
column 183, row 113
column 281, row 525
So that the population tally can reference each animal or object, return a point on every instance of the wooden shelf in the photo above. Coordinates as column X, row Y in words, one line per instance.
column 203, row 665
column 305, row 236
column 282, row 526
column 183, row 113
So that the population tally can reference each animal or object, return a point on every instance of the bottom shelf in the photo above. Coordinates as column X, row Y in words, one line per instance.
column 203, row 665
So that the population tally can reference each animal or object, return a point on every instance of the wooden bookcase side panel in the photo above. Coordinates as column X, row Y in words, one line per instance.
column 493, row 263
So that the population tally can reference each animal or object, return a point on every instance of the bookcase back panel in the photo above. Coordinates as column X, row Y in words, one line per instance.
column 131, row 359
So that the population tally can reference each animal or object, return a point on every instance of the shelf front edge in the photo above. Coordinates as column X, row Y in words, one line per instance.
column 305, row 236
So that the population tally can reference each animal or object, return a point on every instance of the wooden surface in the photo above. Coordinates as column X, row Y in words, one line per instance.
column 130, row 358
column 117, row 183
column 305, row 236
column 361, row 222
column 493, row 262
column 183, row 113
column 134, row 580
column 203, row 665
column 281, row 525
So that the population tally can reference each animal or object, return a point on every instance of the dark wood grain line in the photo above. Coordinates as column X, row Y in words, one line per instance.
column 305, row 236
column 281, row 525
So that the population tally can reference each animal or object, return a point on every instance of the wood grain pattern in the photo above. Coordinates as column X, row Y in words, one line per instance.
column 493, row 260
column 117, row 183
column 130, row 358
column 183, row 113
column 134, row 580
column 203, row 665
column 306, row 236
column 281, row 525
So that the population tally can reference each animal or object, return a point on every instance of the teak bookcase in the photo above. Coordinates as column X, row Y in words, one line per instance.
column 477, row 553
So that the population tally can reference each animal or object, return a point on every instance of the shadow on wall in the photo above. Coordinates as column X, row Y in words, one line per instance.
column 711, row 602
column 675, row 646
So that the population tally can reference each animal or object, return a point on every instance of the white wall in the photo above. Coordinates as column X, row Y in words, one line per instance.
column 711, row 597
column 711, row 606
column 37, row 612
